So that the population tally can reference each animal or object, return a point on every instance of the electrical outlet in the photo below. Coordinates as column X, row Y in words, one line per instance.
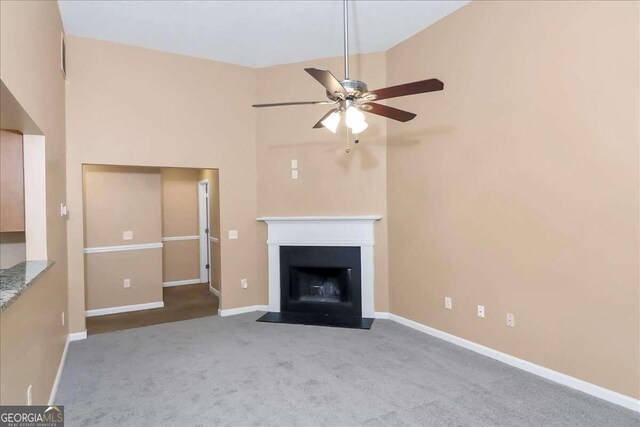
column 29, row 396
column 127, row 283
column 294, row 174
column 511, row 320
column 233, row 234
column 447, row 303
column 127, row 235
column 62, row 318
column 244, row 284
column 294, row 164
column 481, row 311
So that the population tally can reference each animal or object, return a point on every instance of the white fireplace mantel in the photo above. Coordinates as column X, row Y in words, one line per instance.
column 322, row 231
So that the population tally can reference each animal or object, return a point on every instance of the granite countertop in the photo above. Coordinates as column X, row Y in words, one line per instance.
column 17, row 279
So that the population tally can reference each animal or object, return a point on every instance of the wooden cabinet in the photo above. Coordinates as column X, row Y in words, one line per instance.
column 11, row 182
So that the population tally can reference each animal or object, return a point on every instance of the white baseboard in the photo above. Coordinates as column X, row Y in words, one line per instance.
column 77, row 336
column 555, row 376
column 56, row 381
column 181, row 283
column 123, row 309
column 214, row 291
column 242, row 310
column 381, row 315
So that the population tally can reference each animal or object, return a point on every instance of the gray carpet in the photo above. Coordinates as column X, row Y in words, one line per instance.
column 237, row 372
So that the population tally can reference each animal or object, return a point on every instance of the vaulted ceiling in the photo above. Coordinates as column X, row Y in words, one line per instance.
column 253, row 33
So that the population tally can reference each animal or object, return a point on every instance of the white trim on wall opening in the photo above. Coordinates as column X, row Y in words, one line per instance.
column 35, row 197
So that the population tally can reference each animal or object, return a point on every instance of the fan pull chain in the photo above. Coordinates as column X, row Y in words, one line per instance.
column 347, row 149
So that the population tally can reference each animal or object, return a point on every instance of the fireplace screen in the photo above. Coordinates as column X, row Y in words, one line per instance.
column 317, row 284
column 320, row 279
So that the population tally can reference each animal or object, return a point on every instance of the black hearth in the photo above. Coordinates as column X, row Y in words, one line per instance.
column 320, row 285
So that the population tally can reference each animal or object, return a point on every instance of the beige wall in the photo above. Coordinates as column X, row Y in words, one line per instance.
column 106, row 272
column 181, row 259
column 330, row 182
column 517, row 187
column 118, row 199
column 164, row 110
column 179, row 201
column 31, row 346
column 31, row 343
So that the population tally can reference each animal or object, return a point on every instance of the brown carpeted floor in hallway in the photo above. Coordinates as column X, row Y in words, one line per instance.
column 180, row 303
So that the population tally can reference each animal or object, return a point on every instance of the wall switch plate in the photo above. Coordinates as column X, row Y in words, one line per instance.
column 64, row 211
column 294, row 164
column 29, row 396
column 127, row 235
column 447, row 303
column 127, row 283
column 481, row 311
column 233, row 234
column 244, row 284
column 511, row 320
column 294, row 174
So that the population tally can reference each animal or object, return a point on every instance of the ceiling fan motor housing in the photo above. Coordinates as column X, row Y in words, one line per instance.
column 355, row 89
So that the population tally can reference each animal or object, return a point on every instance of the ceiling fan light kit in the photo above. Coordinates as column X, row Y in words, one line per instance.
column 332, row 121
column 354, row 119
column 352, row 97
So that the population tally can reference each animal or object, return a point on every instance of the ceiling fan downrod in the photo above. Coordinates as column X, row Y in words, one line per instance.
column 345, row 4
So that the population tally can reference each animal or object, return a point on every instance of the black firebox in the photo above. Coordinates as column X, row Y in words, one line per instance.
column 320, row 279
column 320, row 285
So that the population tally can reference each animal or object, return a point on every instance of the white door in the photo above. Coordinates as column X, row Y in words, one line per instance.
column 203, row 231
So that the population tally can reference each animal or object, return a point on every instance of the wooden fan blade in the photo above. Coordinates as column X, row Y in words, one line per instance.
column 414, row 88
column 326, row 79
column 282, row 104
column 389, row 112
column 319, row 124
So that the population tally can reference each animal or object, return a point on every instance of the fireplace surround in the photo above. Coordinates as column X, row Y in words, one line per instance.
column 324, row 259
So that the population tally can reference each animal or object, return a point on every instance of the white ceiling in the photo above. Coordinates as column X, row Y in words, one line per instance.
column 253, row 33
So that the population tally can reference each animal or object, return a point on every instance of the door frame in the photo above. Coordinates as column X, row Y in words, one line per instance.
column 204, row 230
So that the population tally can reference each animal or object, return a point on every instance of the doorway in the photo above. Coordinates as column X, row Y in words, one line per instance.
column 151, row 245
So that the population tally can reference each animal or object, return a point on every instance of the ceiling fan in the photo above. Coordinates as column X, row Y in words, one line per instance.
column 352, row 97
